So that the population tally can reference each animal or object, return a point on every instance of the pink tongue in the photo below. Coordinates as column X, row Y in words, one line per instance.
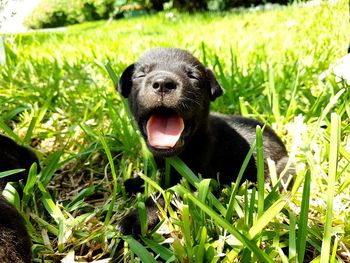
column 164, row 131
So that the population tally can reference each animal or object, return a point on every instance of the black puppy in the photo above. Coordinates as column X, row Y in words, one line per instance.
column 15, row 243
column 169, row 92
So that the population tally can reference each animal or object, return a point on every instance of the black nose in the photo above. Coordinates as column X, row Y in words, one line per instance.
column 164, row 84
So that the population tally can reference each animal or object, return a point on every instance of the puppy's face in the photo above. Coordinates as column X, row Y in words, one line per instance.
column 169, row 92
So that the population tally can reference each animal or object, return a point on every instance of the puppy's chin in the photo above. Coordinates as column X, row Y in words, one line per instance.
column 167, row 151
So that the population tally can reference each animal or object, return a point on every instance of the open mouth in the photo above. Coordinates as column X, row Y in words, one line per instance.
column 164, row 129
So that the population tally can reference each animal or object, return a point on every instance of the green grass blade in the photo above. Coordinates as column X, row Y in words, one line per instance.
column 8, row 131
column 292, row 249
column 152, row 183
column 274, row 94
column 51, row 228
column 230, row 206
column 293, row 101
column 242, row 106
column 11, row 172
column 268, row 215
column 204, row 53
column 334, row 251
column 184, row 170
column 50, row 206
column 141, row 209
column 333, row 165
column 12, row 196
column 333, row 101
column 251, row 208
column 111, row 73
column 304, row 215
column 80, row 197
column 139, row 250
column 203, row 189
column 186, row 229
column 114, row 78
column 203, row 192
column 162, row 251
column 114, row 176
column 29, row 187
column 346, row 183
column 61, row 235
column 200, row 254
column 30, row 130
column 52, row 163
column 260, row 168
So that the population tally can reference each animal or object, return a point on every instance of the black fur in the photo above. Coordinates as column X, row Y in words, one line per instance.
column 15, row 243
column 172, row 81
column 14, row 156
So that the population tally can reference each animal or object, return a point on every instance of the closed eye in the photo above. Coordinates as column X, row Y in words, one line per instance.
column 139, row 75
column 193, row 76
column 192, row 73
column 142, row 71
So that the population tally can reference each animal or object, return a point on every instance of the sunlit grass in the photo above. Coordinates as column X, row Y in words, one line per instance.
column 57, row 96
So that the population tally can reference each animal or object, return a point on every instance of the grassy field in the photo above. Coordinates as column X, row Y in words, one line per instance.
column 57, row 97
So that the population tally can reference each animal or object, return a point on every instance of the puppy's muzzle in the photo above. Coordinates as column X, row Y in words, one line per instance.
column 164, row 84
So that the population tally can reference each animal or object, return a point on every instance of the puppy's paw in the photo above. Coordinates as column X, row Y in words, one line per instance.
column 134, row 185
column 130, row 224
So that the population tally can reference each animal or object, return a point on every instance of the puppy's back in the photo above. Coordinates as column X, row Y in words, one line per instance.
column 274, row 148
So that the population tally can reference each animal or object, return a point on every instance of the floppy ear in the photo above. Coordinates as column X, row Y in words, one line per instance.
column 125, row 82
column 215, row 88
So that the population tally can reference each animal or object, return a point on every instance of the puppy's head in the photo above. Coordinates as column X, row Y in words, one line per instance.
column 169, row 92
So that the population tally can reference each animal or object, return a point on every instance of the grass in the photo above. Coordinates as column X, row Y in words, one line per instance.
column 57, row 96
